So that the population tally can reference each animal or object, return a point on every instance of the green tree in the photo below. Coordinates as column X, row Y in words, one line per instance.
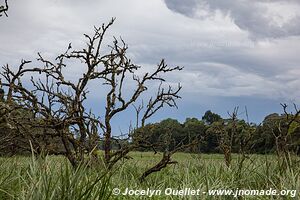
column 210, row 117
column 263, row 140
column 171, row 133
column 194, row 128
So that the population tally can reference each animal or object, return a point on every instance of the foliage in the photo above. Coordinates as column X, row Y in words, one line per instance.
column 210, row 117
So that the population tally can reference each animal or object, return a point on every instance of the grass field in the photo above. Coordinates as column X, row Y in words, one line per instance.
column 53, row 178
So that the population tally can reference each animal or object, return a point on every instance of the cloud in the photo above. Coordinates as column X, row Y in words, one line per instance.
column 227, row 81
column 230, row 49
column 261, row 18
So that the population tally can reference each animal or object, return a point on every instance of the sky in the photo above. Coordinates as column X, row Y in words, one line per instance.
column 234, row 52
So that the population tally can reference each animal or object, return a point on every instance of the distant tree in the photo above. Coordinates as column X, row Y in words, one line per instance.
column 210, row 117
column 233, row 135
column 244, row 135
column 149, row 136
column 173, row 133
column 263, row 140
column 194, row 128
column 169, row 137
column 170, row 133
column 295, row 138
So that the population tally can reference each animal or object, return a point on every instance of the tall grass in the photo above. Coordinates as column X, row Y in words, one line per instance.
column 206, row 172
column 53, row 177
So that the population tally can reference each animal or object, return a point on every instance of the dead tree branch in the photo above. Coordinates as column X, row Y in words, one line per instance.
column 4, row 9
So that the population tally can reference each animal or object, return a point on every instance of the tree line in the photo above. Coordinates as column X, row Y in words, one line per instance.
column 213, row 131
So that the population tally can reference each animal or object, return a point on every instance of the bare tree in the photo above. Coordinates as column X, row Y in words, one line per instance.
column 58, row 104
column 4, row 9
column 233, row 134
column 282, row 132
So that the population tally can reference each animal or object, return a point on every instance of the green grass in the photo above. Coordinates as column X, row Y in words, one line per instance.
column 53, row 178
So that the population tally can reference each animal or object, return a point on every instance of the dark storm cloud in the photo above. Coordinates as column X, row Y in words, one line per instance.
column 254, row 16
column 188, row 7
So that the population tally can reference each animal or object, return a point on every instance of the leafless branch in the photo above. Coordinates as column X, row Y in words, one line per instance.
column 4, row 9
